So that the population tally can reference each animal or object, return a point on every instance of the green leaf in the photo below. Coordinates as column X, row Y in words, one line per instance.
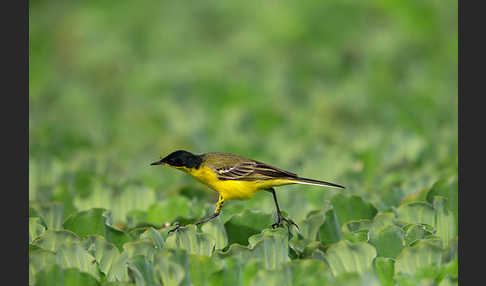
column 427, row 275
column 445, row 223
column 35, row 228
column 271, row 277
column 416, row 232
column 357, row 236
column 451, row 269
column 448, row 281
column 232, row 209
column 142, row 271
column 152, row 234
column 330, row 231
column 119, row 269
column 350, row 257
column 270, row 246
column 53, row 240
column 136, row 218
column 144, row 247
column 193, row 242
column 308, row 272
column 448, row 188
column 385, row 269
column 450, row 252
column 418, row 196
column 167, row 269
column 131, row 198
column 383, row 219
column 235, row 272
column 215, row 228
column 39, row 259
column 52, row 214
column 243, row 225
column 55, row 275
column 202, row 270
column 357, row 230
column 416, row 257
column 73, row 255
column 416, row 212
column 105, row 253
column 388, row 241
column 167, row 210
column 356, row 279
column 87, row 222
column 309, row 228
column 351, row 208
column 96, row 222
column 116, row 236
column 357, row 225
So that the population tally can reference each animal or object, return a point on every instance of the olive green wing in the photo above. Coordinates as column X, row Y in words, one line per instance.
column 233, row 167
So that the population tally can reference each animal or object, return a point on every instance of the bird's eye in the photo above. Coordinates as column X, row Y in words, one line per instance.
column 178, row 162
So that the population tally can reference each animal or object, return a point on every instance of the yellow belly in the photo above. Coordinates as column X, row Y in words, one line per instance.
column 233, row 189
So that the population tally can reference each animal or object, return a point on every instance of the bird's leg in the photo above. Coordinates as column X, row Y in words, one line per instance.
column 219, row 205
column 279, row 215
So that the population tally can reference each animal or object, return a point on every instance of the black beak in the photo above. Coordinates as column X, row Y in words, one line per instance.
column 158, row 163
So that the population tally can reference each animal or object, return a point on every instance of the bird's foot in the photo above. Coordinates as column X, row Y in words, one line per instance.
column 281, row 219
column 175, row 228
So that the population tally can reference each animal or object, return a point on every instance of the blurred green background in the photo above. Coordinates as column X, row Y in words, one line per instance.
column 359, row 93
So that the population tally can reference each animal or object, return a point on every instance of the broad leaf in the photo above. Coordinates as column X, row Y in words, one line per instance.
column 445, row 223
column 309, row 228
column 330, row 231
column 73, row 255
column 202, row 270
column 39, row 259
column 87, row 222
column 351, row 208
column 55, row 275
column 417, row 257
column 52, row 215
column 167, row 210
column 308, row 272
column 243, row 225
column 388, row 241
column 105, row 253
column 215, row 228
column 416, row 212
column 385, row 269
column 416, row 232
column 142, row 271
column 193, row 242
column 35, row 228
column 155, row 236
column 53, row 240
column 270, row 246
column 357, row 225
column 447, row 188
column 167, row 269
column 144, row 247
column 350, row 257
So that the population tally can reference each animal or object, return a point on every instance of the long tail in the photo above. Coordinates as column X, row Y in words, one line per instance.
column 306, row 181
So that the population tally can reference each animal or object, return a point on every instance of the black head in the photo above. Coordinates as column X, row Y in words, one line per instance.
column 181, row 158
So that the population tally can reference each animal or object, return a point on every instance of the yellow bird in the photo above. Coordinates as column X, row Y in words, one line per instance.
column 235, row 177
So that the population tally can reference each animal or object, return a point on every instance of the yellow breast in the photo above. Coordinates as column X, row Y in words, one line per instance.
column 231, row 189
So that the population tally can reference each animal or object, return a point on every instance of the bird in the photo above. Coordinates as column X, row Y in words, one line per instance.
column 235, row 177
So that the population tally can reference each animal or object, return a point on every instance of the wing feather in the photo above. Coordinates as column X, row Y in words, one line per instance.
column 252, row 170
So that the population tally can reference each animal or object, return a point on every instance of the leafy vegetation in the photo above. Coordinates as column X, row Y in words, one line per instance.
column 360, row 94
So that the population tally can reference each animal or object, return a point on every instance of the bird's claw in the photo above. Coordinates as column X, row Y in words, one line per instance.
column 288, row 221
column 175, row 228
